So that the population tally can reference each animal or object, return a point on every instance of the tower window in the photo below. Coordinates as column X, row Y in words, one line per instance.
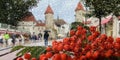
column 33, row 28
column 23, row 28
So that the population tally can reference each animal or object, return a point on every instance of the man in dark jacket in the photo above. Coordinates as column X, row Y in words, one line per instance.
column 34, row 37
column 13, row 38
column 46, row 35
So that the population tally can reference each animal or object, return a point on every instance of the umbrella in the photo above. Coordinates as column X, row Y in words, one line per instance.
column 47, row 31
column 106, row 20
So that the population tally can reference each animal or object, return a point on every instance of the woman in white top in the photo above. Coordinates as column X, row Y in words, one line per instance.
column 22, row 38
column 1, row 40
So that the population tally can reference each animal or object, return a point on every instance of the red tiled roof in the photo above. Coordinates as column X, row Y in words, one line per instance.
column 40, row 24
column 79, row 7
column 49, row 10
column 29, row 17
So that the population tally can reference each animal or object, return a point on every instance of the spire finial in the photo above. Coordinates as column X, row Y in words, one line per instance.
column 58, row 17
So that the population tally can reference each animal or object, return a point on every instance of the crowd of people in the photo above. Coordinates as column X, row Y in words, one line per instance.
column 34, row 37
column 14, row 39
column 7, row 39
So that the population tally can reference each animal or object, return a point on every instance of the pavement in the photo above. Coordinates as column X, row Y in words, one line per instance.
column 38, row 43
column 12, row 55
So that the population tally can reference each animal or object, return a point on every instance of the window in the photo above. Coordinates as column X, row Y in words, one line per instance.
column 83, row 14
column 75, row 15
column 96, row 21
column 111, row 33
column 38, row 28
column 33, row 28
column 23, row 28
column 80, row 14
column 63, row 27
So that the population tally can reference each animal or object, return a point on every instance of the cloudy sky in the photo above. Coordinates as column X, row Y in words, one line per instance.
column 65, row 9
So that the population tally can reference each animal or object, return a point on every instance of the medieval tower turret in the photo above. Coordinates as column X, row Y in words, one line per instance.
column 79, row 13
column 49, row 21
column 49, row 18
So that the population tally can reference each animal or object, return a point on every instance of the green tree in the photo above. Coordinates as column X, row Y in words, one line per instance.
column 102, row 8
column 75, row 24
column 12, row 11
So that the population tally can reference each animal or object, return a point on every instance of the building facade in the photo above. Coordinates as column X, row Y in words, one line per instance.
column 116, row 26
column 30, row 24
column 110, row 24
column 49, row 18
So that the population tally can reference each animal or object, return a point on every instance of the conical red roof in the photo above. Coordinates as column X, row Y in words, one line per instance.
column 49, row 10
column 79, row 7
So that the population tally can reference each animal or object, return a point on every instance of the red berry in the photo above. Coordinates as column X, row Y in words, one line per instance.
column 56, row 57
column 33, row 59
column 49, row 54
column 19, row 58
column 27, row 56
column 63, row 56
column 48, row 49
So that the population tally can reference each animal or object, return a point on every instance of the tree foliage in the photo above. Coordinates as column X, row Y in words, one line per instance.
column 12, row 11
column 75, row 24
column 102, row 8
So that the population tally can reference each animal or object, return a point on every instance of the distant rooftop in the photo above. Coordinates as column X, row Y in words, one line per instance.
column 29, row 17
column 59, row 22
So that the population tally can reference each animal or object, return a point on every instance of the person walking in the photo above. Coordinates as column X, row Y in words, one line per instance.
column 13, row 36
column 34, row 37
column 6, row 37
column 40, row 36
column 1, row 40
column 46, row 35
column 22, row 38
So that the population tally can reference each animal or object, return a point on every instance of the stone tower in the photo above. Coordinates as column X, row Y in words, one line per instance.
column 79, row 13
column 49, row 18
column 49, row 21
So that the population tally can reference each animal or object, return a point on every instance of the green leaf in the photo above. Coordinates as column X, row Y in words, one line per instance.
column 34, row 50
column 40, row 51
column 16, row 48
column 118, row 58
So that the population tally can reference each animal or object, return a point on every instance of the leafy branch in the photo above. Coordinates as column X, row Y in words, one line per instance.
column 35, row 51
